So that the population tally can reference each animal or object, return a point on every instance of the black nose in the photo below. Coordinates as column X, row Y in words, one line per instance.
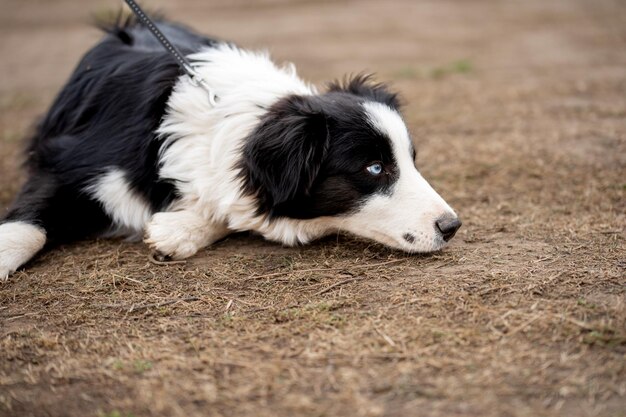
column 448, row 226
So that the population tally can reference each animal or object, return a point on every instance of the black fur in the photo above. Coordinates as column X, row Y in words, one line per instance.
column 284, row 155
column 105, row 117
column 309, row 155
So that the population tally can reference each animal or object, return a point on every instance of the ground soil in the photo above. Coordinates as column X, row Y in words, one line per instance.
column 518, row 110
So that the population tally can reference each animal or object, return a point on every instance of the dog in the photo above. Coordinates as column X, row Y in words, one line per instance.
column 130, row 147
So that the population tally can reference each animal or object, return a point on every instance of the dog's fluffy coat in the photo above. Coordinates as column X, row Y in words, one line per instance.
column 131, row 147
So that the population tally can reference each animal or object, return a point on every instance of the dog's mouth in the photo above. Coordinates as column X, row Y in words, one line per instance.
column 420, row 243
column 411, row 242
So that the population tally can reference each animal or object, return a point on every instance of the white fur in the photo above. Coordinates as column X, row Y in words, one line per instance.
column 19, row 242
column 180, row 234
column 127, row 208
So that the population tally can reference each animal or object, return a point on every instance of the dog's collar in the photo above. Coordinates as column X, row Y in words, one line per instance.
column 184, row 64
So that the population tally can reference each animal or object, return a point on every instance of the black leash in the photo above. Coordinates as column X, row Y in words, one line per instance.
column 183, row 62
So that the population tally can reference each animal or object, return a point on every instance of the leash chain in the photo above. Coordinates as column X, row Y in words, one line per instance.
column 194, row 77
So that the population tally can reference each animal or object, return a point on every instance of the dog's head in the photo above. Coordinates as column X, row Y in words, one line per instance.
column 346, row 155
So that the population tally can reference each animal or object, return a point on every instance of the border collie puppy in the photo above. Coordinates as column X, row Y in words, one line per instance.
column 131, row 148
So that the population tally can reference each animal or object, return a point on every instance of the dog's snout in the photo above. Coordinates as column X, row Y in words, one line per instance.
column 448, row 226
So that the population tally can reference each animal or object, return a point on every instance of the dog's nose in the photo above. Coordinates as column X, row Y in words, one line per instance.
column 448, row 225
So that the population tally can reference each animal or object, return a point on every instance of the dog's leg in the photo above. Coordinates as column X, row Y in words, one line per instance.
column 180, row 234
column 22, row 232
column 19, row 242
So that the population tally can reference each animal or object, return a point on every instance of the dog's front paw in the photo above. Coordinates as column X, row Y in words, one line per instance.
column 5, row 273
column 173, row 237
column 19, row 242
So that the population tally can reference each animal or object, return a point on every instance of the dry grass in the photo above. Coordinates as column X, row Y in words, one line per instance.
column 524, row 315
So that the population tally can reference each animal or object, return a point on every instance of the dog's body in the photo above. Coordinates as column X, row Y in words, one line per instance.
column 131, row 147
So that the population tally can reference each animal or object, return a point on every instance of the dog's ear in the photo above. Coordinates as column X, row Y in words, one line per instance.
column 364, row 86
column 283, row 155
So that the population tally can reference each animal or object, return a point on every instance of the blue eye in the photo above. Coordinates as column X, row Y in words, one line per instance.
column 375, row 169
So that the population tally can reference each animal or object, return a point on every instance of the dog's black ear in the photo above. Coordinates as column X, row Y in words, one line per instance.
column 283, row 155
column 364, row 86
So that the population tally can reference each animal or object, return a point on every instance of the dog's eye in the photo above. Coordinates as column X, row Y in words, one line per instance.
column 375, row 169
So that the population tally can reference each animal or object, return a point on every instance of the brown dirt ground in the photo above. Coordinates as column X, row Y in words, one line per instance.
column 519, row 111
